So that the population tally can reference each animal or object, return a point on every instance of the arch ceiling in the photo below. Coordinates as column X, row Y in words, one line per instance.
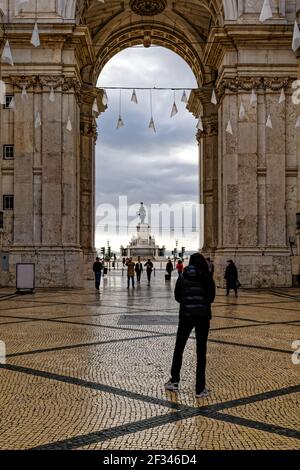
column 183, row 26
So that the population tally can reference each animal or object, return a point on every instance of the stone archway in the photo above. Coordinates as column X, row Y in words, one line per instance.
column 250, row 178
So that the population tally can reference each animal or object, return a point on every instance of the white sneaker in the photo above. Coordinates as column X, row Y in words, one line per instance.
column 172, row 386
column 203, row 394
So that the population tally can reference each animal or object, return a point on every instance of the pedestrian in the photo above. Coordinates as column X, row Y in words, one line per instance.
column 149, row 266
column 169, row 269
column 130, row 272
column 195, row 291
column 97, row 268
column 138, row 270
column 211, row 266
column 231, row 276
column 180, row 267
column 124, row 262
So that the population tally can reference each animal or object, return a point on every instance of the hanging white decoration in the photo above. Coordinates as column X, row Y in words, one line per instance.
column 297, row 126
column 104, row 98
column 152, row 125
column 269, row 122
column 6, row 54
column 266, row 12
column 69, row 125
column 184, row 98
column 214, row 97
column 282, row 96
column 200, row 124
column 35, row 38
column 296, row 37
column 2, row 92
column 120, row 122
column 242, row 111
column 174, row 110
column 12, row 104
column 95, row 108
column 52, row 95
column 229, row 128
column 24, row 94
column 134, row 97
column 38, row 121
column 253, row 98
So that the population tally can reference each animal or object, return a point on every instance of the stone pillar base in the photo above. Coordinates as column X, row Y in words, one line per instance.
column 59, row 268
column 256, row 268
column 89, row 258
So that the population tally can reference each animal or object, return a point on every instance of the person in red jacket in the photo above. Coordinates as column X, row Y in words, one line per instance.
column 180, row 267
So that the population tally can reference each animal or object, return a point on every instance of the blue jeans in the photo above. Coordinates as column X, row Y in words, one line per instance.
column 97, row 279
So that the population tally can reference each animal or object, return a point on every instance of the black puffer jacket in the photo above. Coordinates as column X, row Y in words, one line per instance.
column 195, row 291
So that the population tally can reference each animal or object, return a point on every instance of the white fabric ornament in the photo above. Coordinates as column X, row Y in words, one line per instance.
column 242, row 111
column 296, row 37
column 104, row 98
column 35, row 38
column 200, row 124
column 69, row 125
column 174, row 110
column 282, row 96
column 38, row 121
column 229, row 128
column 95, row 108
column 24, row 94
column 120, row 123
column 152, row 125
column 253, row 98
column 134, row 97
column 184, row 97
column 266, row 12
column 214, row 97
column 12, row 104
column 6, row 54
column 52, row 95
column 269, row 122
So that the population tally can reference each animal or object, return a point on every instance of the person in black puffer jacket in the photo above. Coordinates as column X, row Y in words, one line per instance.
column 195, row 291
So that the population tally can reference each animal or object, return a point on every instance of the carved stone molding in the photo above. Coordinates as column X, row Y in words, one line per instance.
column 88, row 130
column 248, row 83
column 147, row 7
column 210, row 128
column 43, row 81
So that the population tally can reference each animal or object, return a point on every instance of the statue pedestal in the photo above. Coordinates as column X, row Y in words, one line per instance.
column 143, row 244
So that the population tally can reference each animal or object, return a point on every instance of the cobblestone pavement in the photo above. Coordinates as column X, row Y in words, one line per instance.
column 85, row 370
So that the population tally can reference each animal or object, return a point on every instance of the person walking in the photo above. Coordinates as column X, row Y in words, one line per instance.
column 169, row 269
column 130, row 272
column 180, row 267
column 211, row 266
column 138, row 270
column 149, row 266
column 97, row 268
column 231, row 276
column 195, row 292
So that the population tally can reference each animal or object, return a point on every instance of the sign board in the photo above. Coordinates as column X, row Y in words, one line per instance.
column 25, row 276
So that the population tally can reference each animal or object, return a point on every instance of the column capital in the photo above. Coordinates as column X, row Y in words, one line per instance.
column 210, row 127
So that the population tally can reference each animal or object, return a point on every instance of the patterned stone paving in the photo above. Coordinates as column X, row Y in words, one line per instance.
column 85, row 370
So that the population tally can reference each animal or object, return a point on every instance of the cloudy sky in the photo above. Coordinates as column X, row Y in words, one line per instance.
column 134, row 161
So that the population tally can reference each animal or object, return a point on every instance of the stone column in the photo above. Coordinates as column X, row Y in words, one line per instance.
column 88, row 139
column 296, row 258
column 208, row 166
column 252, row 169
column 46, row 216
